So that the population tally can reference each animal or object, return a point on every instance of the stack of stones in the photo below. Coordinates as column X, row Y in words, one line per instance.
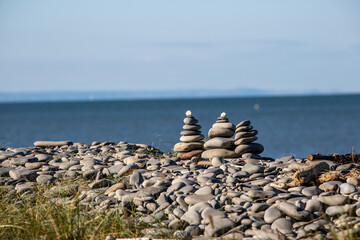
column 220, row 144
column 191, row 144
column 244, row 140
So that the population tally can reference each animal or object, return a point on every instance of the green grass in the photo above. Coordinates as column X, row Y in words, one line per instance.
column 35, row 216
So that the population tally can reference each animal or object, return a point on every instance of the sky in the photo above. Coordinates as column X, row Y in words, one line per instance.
column 115, row 45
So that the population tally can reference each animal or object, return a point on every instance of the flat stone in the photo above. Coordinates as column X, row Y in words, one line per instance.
column 271, row 214
column 193, row 199
column 185, row 147
column 192, row 217
column 258, row 207
column 224, row 125
column 204, row 191
column 192, row 138
column 192, row 127
column 189, row 133
column 353, row 180
column 23, row 173
column 52, row 143
column 340, row 210
column 243, row 129
column 243, row 123
column 239, row 135
column 311, row 191
column 253, row 168
column 64, row 191
column 329, row 186
column 241, row 141
column 293, row 212
column 346, row 188
column 224, row 153
column 45, row 179
column 255, row 148
column 210, row 214
column 221, row 226
column 23, row 187
column 43, row 157
column 282, row 225
column 220, row 132
column 313, row 205
column 220, row 142
column 255, row 194
column 333, row 200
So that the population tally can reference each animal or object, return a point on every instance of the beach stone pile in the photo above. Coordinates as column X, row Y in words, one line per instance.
column 220, row 143
column 245, row 136
column 191, row 144
column 239, row 199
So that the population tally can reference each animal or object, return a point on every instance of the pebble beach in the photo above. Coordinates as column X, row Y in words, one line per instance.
column 227, row 198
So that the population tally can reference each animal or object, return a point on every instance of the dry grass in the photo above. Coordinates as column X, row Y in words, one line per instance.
column 35, row 216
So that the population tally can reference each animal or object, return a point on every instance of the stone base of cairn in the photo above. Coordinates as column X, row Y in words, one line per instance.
column 245, row 136
column 191, row 144
column 220, row 144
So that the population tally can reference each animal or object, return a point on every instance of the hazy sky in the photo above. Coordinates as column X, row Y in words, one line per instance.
column 161, row 45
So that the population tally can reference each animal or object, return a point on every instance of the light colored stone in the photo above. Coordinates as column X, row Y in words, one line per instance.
column 271, row 214
column 192, row 138
column 220, row 132
column 346, row 188
column 192, row 217
column 52, row 143
column 224, row 153
column 220, row 142
column 224, row 125
column 193, row 199
column 253, row 168
column 184, row 147
column 333, row 200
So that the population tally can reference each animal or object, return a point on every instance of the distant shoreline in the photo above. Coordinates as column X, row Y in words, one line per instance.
column 66, row 97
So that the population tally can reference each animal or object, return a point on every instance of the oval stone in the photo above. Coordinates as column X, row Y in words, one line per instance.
column 255, row 148
column 243, row 123
column 224, row 125
column 218, row 152
column 184, row 147
column 192, row 138
column 245, row 134
column 220, row 142
column 220, row 132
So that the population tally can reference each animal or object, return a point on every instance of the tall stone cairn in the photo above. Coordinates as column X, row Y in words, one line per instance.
column 191, row 144
column 221, row 143
column 245, row 136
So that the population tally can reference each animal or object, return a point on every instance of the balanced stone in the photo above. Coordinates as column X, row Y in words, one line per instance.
column 244, row 139
column 191, row 143
column 220, row 144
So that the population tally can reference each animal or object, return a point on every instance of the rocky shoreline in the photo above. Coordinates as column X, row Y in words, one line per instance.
column 235, row 198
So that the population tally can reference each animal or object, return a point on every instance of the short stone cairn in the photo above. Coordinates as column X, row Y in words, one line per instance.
column 191, row 144
column 221, row 143
column 244, row 140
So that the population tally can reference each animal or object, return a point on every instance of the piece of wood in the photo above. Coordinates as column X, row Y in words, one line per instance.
column 310, row 174
column 338, row 158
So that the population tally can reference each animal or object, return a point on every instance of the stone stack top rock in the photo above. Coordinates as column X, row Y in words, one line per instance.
column 220, row 144
column 191, row 144
column 245, row 136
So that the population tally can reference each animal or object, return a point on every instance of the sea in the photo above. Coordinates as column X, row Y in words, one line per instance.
column 297, row 126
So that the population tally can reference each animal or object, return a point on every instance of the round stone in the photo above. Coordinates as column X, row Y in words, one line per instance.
column 346, row 188
column 192, row 138
column 217, row 161
column 253, row 168
column 255, row 148
column 220, row 142
column 271, row 214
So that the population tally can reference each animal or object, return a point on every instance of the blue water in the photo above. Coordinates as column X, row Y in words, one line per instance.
column 287, row 125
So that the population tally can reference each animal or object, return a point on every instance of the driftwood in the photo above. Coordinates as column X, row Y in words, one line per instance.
column 338, row 158
column 309, row 175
